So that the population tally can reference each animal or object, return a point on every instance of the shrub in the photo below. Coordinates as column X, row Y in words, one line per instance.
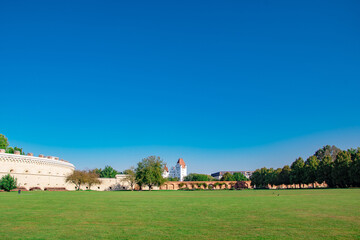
column 8, row 183
column 181, row 185
column 205, row 185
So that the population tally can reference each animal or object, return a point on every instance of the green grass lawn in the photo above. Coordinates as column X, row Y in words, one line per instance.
column 247, row 214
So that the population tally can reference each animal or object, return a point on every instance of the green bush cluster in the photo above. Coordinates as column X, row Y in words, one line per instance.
column 8, row 183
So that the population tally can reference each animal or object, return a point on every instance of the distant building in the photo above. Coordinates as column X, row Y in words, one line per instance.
column 179, row 171
column 165, row 172
column 218, row 175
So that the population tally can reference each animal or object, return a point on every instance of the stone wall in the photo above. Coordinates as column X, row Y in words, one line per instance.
column 200, row 185
column 36, row 172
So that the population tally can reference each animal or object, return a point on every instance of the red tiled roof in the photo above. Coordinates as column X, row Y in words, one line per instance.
column 181, row 162
column 166, row 168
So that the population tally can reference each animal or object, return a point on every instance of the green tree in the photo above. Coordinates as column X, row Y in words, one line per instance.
column 340, row 173
column 260, row 178
column 324, row 172
column 149, row 172
column 327, row 150
column 4, row 143
column 227, row 177
column 297, row 172
column 269, row 177
column 91, row 178
column 8, row 183
column 198, row 177
column 130, row 177
column 276, row 177
column 9, row 150
column 355, row 169
column 284, row 176
column 108, row 172
column 256, row 179
column 240, row 177
column 77, row 177
column 311, row 167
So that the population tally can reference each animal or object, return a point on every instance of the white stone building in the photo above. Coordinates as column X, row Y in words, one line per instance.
column 179, row 171
column 36, row 172
column 44, row 173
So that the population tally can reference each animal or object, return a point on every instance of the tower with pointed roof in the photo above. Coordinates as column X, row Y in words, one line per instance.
column 179, row 171
column 165, row 172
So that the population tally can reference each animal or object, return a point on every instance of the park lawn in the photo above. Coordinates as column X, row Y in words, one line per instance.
column 222, row 214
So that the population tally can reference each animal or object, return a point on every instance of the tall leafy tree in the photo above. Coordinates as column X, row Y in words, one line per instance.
column 269, row 177
column 277, row 177
column 355, row 169
column 327, row 150
column 240, row 177
column 4, row 143
column 261, row 178
column 149, row 172
column 256, row 179
column 324, row 172
column 130, row 177
column 198, row 177
column 227, row 177
column 285, row 175
column 77, row 177
column 297, row 171
column 108, row 172
column 91, row 178
column 341, row 171
column 311, row 167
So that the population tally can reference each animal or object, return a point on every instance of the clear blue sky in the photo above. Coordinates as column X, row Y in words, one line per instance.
column 227, row 85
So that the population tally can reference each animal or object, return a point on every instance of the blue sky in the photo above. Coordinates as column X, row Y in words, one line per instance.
column 233, row 85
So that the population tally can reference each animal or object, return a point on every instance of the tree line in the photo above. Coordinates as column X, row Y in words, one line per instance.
column 335, row 167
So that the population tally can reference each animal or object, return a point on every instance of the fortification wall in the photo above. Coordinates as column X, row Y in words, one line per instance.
column 176, row 185
column 109, row 184
column 40, row 172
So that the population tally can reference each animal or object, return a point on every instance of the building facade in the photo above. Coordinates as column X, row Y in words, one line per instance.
column 49, row 173
column 36, row 172
column 178, row 171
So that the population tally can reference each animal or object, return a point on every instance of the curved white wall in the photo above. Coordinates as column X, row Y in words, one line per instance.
column 36, row 171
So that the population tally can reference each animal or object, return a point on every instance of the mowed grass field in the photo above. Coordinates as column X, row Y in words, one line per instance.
column 246, row 214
